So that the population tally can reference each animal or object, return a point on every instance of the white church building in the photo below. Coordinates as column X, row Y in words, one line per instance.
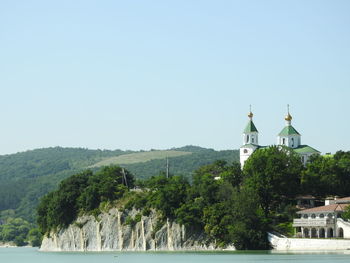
column 289, row 137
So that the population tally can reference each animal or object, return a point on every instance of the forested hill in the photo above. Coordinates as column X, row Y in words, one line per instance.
column 26, row 176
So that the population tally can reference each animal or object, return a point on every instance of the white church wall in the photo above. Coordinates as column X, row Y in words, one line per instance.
column 250, row 138
column 290, row 141
column 245, row 153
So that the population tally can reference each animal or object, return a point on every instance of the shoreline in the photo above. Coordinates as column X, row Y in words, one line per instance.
column 7, row 245
column 194, row 251
column 11, row 245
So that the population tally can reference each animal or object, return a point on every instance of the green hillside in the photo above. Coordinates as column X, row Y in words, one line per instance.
column 27, row 176
column 182, row 165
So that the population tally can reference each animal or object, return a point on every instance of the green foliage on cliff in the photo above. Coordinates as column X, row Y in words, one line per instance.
column 83, row 192
column 214, row 203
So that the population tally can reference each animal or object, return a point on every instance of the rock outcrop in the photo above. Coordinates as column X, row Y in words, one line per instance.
column 111, row 231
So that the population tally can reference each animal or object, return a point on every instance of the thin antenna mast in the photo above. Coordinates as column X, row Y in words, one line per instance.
column 167, row 167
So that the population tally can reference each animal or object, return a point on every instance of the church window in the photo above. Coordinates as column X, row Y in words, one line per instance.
column 321, row 215
column 245, row 151
column 313, row 216
column 252, row 139
column 284, row 141
column 247, row 138
column 292, row 142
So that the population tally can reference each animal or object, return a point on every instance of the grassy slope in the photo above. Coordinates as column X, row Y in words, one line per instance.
column 140, row 157
column 181, row 165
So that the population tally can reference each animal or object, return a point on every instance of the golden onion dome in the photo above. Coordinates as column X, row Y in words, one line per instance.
column 288, row 117
column 250, row 115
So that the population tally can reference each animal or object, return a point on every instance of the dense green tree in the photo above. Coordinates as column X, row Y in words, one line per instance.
column 167, row 194
column 109, row 184
column 319, row 177
column 81, row 192
column 16, row 230
column 346, row 214
column 63, row 206
column 274, row 173
column 210, row 179
column 327, row 175
column 218, row 219
column 34, row 237
column 249, row 227
column 233, row 174
column 190, row 213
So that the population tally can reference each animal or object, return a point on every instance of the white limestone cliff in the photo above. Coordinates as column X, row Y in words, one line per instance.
column 110, row 233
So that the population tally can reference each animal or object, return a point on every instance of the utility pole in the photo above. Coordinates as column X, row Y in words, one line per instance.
column 167, row 167
column 124, row 178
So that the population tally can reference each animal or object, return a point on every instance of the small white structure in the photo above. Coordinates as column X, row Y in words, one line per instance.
column 323, row 221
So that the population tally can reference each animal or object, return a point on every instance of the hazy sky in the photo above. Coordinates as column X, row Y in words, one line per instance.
column 161, row 74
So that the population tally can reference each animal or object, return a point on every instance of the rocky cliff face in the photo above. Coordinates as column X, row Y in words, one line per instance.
column 109, row 232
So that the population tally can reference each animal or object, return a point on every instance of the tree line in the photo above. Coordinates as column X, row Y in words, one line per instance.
column 229, row 204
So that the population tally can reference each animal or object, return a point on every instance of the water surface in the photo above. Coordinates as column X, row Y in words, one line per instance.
column 32, row 255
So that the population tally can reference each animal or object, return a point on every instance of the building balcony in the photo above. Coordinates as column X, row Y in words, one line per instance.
column 300, row 222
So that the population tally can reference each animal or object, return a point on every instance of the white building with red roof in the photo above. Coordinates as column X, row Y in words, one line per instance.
column 323, row 221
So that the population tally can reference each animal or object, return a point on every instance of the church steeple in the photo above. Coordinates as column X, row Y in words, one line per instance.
column 250, row 133
column 289, row 136
column 250, row 139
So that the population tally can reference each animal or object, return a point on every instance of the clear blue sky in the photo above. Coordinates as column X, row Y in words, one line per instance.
column 161, row 74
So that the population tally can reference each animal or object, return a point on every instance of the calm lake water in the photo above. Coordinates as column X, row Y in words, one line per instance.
column 32, row 255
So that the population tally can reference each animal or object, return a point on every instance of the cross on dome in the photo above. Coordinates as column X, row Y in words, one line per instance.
column 250, row 115
column 288, row 116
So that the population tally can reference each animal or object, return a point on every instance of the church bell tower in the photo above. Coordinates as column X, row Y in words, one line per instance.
column 250, row 140
column 289, row 136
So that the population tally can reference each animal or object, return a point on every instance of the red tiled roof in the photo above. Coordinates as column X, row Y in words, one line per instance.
column 326, row 208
